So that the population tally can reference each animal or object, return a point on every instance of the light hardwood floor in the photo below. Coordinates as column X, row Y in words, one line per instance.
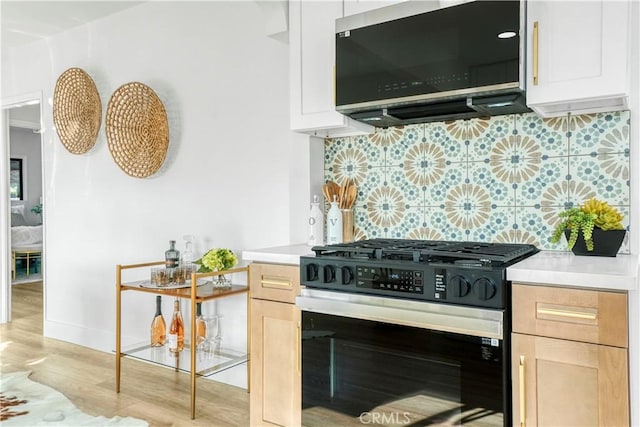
column 87, row 377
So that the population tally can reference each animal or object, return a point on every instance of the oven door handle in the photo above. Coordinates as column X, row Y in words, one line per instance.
column 486, row 323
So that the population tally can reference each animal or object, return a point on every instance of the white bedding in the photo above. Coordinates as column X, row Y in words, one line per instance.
column 26, row 237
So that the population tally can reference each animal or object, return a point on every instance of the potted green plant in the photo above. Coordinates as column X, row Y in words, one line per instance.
column 594, row 228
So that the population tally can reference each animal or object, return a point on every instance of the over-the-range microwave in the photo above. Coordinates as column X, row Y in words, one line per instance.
column 417, row 61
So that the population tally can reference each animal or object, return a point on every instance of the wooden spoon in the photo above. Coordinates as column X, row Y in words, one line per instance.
column 352, row 193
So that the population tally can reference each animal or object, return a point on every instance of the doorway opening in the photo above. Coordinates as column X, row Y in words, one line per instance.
column 22, row 192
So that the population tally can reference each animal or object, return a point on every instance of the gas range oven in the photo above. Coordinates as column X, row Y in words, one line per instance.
column 411, row 332
column 462, row 273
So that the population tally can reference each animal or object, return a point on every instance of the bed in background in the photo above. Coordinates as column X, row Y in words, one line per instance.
column 26, row 241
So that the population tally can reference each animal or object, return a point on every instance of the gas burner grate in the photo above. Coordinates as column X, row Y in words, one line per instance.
column 424, row 251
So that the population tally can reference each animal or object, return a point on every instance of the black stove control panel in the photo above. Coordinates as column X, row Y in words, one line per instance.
column 392, row 279
column 444, row 283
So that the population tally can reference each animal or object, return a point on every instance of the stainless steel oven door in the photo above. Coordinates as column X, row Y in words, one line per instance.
column 384, row 361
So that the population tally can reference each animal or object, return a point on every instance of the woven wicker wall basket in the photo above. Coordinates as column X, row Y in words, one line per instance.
column 77, row 110
column 137, row 129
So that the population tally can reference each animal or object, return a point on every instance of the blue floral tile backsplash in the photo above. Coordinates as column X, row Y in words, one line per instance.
column 502, row 179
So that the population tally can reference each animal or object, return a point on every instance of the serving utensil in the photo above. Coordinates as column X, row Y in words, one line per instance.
column 344, row 194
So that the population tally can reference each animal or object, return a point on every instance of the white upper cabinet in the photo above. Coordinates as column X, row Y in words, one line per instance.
column 577, row 56
column 312, row 73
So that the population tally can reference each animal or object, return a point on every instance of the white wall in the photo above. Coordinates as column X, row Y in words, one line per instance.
column 235, row 175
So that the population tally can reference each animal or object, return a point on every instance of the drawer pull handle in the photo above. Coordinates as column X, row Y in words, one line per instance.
column 298, row 348
column 275, row 282
column 567, row 313
column 523, row 400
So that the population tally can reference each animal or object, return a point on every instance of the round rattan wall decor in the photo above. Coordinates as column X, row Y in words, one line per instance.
column 137, row 129
column 77, row 110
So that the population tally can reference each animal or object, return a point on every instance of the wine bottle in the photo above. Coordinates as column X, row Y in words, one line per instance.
column 176, row 330
column 201, row 326
column 171, row 255
column 158, row 327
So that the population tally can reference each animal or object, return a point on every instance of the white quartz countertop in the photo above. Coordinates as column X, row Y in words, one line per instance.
column 279, row 254
column 565, row 268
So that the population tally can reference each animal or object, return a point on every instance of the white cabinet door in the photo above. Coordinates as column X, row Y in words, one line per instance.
column 577, row 56
column 312, row 75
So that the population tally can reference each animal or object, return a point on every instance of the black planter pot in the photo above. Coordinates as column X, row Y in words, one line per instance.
column 605, row 243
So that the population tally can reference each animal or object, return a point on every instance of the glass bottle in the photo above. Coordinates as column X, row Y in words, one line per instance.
column 171, row 255
column 201, row 326
column 158, row 327
column 186, row 260
column 176, row 330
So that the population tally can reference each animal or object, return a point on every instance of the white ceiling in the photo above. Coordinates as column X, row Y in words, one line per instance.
column 26, row 21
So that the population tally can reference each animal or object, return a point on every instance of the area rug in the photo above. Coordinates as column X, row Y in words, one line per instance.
column 27, row 403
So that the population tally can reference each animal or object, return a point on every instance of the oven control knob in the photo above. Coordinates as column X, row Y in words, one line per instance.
column 484, row 288
column 312, row 272
column 459, row 285
column 347, row 275
column 329, row 273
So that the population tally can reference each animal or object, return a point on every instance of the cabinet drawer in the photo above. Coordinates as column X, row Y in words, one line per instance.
column 574, row 314
column 275, row 282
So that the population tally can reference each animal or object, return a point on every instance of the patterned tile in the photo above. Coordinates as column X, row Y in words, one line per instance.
column 413, row 220
column 552, row 140
column 539, row 223
column 502, row 179
column 607, row 173
column 439, row 222
column 333, row 147
column 455, row 149
column 414, row 194
column 614, row 191
column 529, row 192
column 624, row 210
column 468, row 206
column 374, row 154
column 497, row 128
column 500, row 193
column 375, row 178
column 410, row 136
column 499, row 219
column 467, row 130
column 385, row 207
column 599, row 133
column 350, row 163
column 424, row 164
column 454, row 174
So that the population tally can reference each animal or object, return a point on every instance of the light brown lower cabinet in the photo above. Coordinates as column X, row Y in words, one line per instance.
column 569, row 357
column 568, row 383
column 276, row 387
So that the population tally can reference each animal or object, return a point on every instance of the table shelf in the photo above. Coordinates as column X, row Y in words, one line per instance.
column 207, row 363
column 196, row 363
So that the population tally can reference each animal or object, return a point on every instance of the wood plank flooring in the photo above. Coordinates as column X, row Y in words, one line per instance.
column 87, row 377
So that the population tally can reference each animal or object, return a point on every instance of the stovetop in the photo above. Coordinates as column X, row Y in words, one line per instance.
column 426, row 251
column 464, row 273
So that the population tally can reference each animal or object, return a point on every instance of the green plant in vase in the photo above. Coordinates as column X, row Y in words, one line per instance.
column 593, row 215
column 217, row 259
